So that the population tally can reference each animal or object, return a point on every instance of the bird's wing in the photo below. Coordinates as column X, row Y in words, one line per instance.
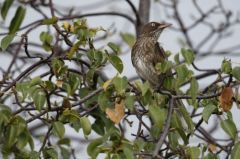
column 160, row 54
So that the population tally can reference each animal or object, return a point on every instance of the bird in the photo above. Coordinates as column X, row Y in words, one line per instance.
column 147, row 52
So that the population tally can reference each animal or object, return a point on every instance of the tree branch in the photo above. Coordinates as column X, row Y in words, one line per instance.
column 166, row 128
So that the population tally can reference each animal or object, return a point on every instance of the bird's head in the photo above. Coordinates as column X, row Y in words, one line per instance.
column 154, row 29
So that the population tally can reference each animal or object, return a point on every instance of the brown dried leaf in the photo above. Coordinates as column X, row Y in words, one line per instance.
column 117, row 113
column 212, row 148
column 66, row 103
column 226, row 99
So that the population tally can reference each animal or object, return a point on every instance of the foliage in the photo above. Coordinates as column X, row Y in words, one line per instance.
column 100, row 110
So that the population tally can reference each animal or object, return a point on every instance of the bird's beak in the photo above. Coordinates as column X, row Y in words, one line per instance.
column 165, row 25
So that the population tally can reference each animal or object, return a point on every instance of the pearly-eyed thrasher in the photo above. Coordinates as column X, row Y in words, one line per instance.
column 147, row 52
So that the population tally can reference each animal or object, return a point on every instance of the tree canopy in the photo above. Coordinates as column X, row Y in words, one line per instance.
column 57, row 101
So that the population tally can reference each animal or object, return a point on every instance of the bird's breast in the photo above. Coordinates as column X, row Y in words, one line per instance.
column 143, row 56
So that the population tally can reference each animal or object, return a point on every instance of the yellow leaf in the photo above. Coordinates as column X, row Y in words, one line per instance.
column 59, row 83
column 226, row 99
column 66, row 25
column 106, row 84
column 72, row 29
column 117, row 113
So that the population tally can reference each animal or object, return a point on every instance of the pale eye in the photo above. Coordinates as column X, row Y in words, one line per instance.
column 153, row 24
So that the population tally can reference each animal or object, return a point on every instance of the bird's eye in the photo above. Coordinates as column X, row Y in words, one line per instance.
column 153, row 24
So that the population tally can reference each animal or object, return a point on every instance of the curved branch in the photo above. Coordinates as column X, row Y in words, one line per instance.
column 79, row 16
column 138, row 20
column 22, row 75
column 99, row 14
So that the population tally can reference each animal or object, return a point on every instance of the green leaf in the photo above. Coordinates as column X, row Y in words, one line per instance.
column 236, row 73
column 183, row 74
column 168, row 53
column 86, row 125
column 50, row 153
column 74, row 81
column 30, row 141
column 145, row 88
column 193, row 90
column 11, row 136
column 169, row 83
column 139, row 144
column 116, row 62
column 207, row 111
column 72, row 117
column 176, row 121
column 20, row 123
column 5, row 116
column 58, row 129
column 22, row 89
column 65, row 153
column 184, row 137
column 116, row 156
column 22, row 140
column 211, row 156
column 64, row 141
column 50, row 21
column 128, row 38
column 147, row 98
column 59, row 68
column 226, row 66
column 67, row 88
column 39, row 99
column 193, row 152
column 120, row 84
column 73, row 49
column 34, row 155
column 158, row 115
column 229, row 127
column 4, row 9
column 155, row 131
column 93, row 149
column 17, row 20
column 116, row 49
column 48, row 85
column 35, row 81
column 103, row 100
column 164, row 66
column 46, row 39
column 129, row 101
column 235, row 151
column 188, row 55
column 128, row 152
column 90, row 76
column 187, row 118
column 6, row 41
column 5, row 107
column 97, row 58
column 177, row 59
column 98, row 127
column 173, row 139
